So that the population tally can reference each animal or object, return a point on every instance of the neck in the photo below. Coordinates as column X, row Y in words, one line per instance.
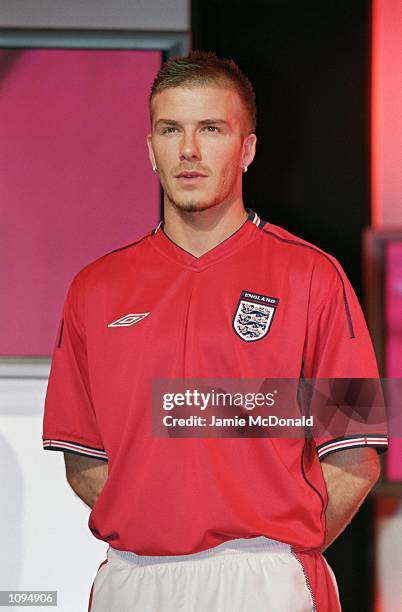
column 201, row 231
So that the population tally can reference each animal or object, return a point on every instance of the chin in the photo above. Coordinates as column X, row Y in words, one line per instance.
column 192, row 205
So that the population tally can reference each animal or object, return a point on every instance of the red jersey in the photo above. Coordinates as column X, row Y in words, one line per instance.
column 151, row 309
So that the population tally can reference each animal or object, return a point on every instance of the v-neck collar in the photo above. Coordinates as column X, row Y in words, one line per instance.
column 170, row 249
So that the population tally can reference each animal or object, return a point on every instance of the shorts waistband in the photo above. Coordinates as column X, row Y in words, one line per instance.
column 231, row 547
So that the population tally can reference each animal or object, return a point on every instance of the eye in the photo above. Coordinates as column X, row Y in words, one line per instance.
column 211, row 128
column 169, row 130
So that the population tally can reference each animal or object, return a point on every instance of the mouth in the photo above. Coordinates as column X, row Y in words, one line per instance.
column 189, row 174
column 190, row 178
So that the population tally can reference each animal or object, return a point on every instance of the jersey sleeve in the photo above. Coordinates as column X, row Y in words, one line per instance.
column 69, row 422
column 338, row 346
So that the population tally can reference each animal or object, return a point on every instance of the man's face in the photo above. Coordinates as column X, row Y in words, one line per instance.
column 198, row 145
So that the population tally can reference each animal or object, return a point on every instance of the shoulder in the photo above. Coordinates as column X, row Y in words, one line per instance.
column 326, row 282
column 303, row 257
column 108, row 268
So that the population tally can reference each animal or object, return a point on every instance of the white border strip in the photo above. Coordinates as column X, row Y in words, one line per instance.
column 25, row 367
column 158, row 226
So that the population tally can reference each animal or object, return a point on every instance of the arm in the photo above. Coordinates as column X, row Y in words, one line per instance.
column 86, row 476
column 349, row 475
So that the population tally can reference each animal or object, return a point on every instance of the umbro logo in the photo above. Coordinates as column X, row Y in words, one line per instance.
column 128, row 320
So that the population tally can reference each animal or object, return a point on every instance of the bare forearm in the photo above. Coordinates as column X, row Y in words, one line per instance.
column 86, row 477
column 347, row 487
column 88, row 487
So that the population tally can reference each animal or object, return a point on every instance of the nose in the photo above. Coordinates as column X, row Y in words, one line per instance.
column 189, row 149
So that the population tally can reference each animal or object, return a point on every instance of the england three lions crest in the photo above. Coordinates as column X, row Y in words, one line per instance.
column 253, row 317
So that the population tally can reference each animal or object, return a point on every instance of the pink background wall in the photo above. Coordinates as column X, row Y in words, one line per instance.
column 386, row 170
column 393, row 309
column 386, row 115
column 75, row 181
column 393, row 346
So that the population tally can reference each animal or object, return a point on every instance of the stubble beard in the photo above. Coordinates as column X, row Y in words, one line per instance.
column 192, row 205
column 189, row 203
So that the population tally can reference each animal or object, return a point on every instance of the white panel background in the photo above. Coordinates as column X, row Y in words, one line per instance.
column 389, row 561
column 46, row 543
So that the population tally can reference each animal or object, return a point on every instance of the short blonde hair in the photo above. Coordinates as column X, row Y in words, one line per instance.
column 204, row 68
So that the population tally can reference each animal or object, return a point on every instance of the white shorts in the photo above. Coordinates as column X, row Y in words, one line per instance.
column 240, row 575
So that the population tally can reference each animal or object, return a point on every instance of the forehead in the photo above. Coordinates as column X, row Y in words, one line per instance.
column 197, row 103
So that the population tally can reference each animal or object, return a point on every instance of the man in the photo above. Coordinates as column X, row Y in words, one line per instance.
column 197, row 523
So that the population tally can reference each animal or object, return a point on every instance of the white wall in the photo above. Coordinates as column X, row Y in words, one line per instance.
column 46, row 543
column 154, row 15
column 389, row 560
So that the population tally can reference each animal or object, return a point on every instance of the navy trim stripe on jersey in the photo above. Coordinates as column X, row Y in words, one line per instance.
column 127, row 246
column 61, row 333
column 379, row 441
column 312, row 248
column 310, row 484
column 254, row 218
column 74, row 447
column 250, row 214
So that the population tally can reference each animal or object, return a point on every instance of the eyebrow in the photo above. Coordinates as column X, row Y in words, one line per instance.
column 202, row 122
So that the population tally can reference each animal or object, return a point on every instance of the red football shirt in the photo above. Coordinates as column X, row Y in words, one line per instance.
column 151, row 309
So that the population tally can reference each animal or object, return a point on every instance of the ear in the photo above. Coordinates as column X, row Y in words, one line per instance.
column 249, row 147
column 151, row 151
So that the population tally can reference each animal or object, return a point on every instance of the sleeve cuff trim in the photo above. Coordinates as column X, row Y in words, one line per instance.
column 334, row 445
column 81, row 449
